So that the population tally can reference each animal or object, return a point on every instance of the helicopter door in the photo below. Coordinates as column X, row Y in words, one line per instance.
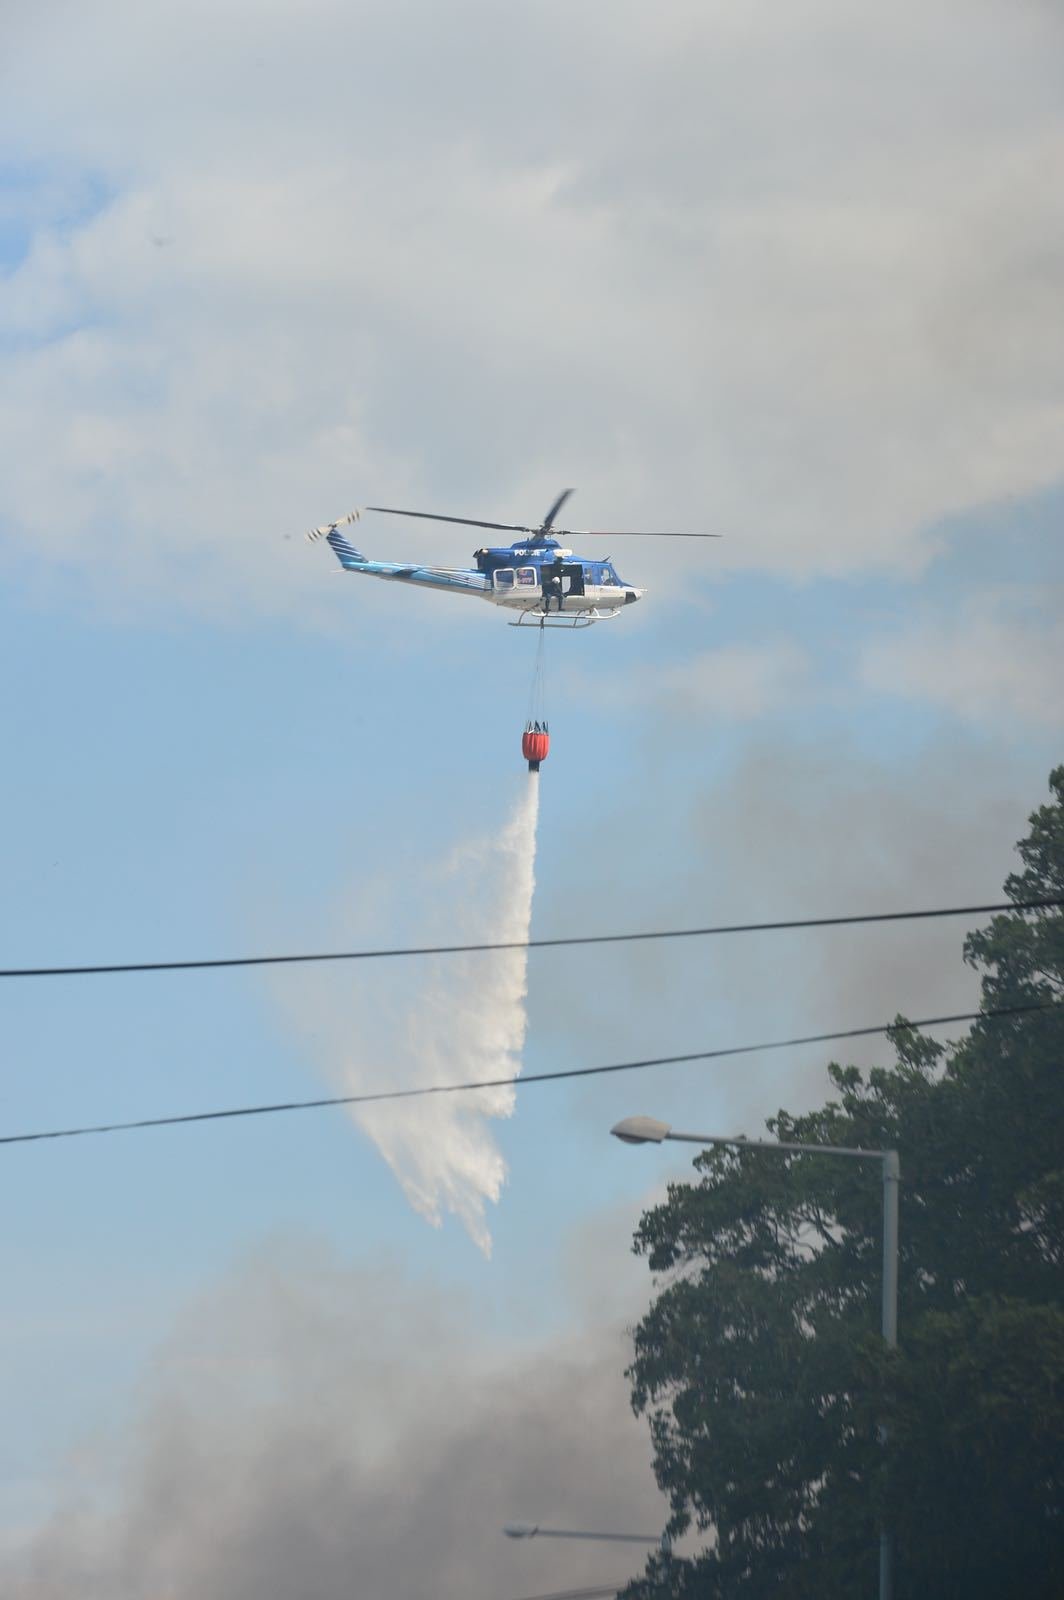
column 573, row 578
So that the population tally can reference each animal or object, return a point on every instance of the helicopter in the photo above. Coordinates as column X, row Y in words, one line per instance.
column 537, row 577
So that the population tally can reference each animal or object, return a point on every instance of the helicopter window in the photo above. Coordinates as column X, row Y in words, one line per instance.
column 504, row 578
column 527, row 575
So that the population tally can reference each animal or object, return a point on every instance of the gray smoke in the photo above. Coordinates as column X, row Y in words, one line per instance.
column 328, row 1433
column 792, row 829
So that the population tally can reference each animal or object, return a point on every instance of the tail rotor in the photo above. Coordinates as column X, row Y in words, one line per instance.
column 331, row 527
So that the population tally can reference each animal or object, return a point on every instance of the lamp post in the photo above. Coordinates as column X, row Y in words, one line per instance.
column 647, row 1130
column 532, row 1530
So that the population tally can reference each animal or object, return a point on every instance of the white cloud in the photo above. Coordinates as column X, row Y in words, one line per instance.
column 732, row 682
column 998, row 662
column 797, row 279
column 735, row 681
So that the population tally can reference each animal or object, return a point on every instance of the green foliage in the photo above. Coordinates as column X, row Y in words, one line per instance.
column 760, row 1364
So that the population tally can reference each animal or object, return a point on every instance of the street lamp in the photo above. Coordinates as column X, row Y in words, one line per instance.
column 532, row 1530
column 609, row 1591
column 647, row 1130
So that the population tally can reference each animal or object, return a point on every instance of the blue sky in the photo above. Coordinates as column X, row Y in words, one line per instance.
column 217, row 330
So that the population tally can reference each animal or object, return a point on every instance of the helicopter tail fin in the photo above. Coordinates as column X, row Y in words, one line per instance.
column 345, row 551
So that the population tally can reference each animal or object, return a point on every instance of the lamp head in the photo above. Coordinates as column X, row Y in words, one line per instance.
column 641, row 1130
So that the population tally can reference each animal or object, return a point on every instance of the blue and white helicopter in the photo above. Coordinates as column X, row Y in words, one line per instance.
column 536, row 577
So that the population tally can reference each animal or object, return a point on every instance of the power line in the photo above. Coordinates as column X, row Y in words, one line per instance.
column 527, row 944
column 376, row 1097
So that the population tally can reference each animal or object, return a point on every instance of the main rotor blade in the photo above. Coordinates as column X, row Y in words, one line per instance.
column 467, row 522
column 546, row 528
column 626, row 533
column 548, row 520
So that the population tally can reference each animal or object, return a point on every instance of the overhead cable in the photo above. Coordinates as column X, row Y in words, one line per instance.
column 377, row 1096
column 100, row 969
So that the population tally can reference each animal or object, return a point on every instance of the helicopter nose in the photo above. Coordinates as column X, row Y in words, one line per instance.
column 632, row 594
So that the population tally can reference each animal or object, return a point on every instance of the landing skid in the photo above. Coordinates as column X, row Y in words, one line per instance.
column 536, row 618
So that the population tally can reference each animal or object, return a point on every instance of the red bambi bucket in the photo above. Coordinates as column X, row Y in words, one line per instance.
column 535, row 744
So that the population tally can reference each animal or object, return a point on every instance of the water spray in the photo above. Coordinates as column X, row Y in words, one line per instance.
column 465, row 1017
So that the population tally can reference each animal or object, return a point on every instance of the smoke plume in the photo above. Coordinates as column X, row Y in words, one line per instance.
column 314, row 1430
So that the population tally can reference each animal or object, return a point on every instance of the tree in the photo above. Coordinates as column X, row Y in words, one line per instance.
column 759, row 1363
